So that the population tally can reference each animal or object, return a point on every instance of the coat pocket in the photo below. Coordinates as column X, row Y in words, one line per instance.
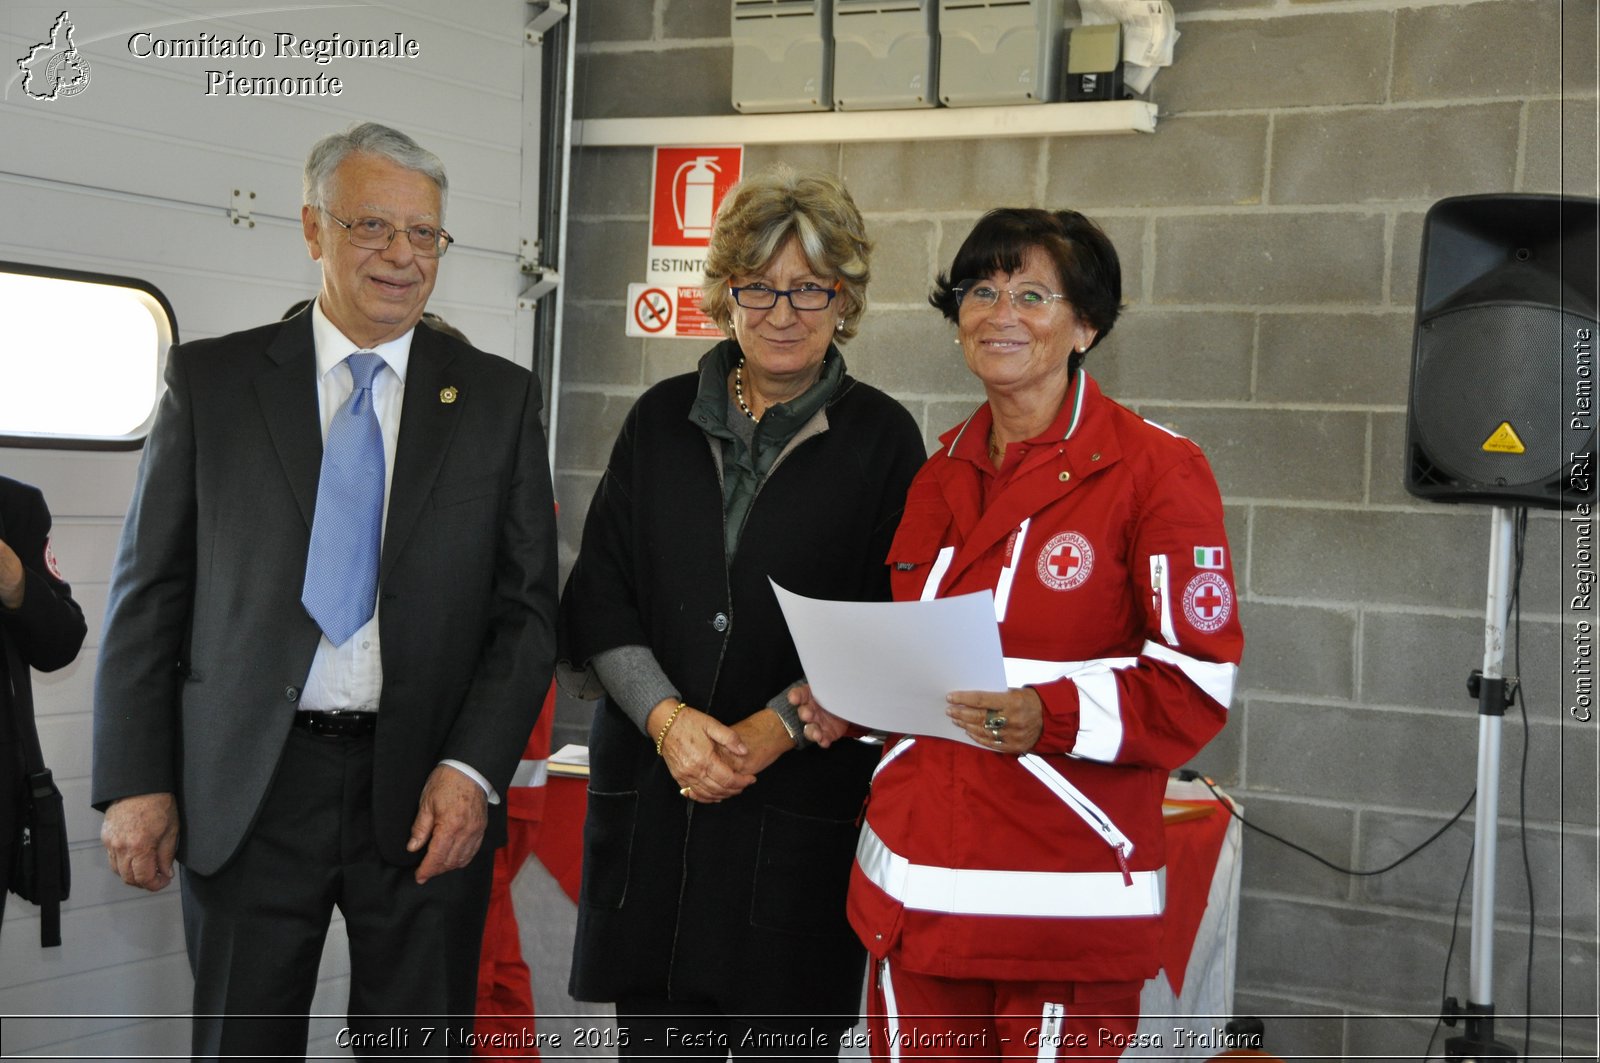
column 608, row 848
column 802, row 872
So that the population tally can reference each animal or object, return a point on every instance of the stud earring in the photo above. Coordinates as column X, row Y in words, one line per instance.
column 839, row 327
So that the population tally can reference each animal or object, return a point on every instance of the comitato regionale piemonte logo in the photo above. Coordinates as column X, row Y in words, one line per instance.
column 55, row 68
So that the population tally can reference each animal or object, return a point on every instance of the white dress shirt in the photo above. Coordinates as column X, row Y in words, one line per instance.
column 350, row 676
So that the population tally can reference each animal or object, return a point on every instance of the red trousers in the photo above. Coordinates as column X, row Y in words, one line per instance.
column 919, row 1016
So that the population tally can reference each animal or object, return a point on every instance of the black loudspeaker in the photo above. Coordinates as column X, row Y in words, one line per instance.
column 1502, row 405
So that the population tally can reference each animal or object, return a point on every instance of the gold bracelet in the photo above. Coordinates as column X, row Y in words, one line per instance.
column 662, row 737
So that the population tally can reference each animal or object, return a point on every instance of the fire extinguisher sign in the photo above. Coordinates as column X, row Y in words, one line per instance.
column 685, row 191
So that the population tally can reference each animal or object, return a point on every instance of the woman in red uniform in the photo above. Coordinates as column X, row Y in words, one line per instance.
column 1009, row 888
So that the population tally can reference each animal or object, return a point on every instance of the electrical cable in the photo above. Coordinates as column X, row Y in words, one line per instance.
column 1449, row 953
column 1188, row 775
column 1519, row 550
column 1520, row 541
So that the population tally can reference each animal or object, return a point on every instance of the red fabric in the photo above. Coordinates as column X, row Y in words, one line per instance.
column 1193, row 848
column 505, row 986
column 560, row 846
column 527, row 802
column 1088, row 540
column 912, row 1016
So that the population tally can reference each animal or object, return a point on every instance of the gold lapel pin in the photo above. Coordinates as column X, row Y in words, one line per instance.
column 448, row 395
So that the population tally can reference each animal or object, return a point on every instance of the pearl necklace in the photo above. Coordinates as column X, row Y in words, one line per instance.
column 738, row 390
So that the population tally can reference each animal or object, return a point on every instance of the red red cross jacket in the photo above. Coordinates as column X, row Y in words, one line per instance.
column 1113, row 587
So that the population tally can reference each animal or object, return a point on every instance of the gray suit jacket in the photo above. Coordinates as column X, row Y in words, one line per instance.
column 206, row 643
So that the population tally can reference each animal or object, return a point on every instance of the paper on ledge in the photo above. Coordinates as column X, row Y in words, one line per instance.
column 1148, row 34
column 887, row 666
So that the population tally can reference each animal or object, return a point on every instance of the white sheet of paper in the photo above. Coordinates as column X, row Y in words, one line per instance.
column 888, row 665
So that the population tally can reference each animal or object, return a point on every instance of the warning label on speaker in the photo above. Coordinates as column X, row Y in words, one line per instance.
column 1504, row 440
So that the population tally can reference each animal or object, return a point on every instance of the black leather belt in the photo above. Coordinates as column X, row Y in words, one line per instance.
column 337, row 724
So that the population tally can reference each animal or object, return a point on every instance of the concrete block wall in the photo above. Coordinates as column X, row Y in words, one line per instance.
column 1270, row 232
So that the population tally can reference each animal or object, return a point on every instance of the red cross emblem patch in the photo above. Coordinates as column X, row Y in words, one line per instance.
column 1208, row 602
column 1065, row 562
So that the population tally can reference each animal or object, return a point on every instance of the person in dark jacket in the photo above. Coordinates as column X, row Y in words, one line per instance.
column 40, row 627
column 718, row 842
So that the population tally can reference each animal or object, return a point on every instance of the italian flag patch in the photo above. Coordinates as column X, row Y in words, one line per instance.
column 1208, row 557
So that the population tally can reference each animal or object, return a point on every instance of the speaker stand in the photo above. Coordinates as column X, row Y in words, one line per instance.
column 1495, row 693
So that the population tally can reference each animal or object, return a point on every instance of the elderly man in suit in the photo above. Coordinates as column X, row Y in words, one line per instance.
column 40, row 627
column 330, row 626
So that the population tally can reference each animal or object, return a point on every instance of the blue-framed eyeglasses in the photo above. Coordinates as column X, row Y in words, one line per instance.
column 805, row 297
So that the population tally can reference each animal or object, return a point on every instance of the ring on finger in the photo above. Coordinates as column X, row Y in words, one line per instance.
column 687, row 791
column 994, row 722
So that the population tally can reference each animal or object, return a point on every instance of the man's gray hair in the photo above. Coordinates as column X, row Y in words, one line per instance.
column 372, row 139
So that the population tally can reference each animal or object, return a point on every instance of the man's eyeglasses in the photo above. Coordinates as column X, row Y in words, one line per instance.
column 805, row 297
column 1025, row 298
column 375, row 234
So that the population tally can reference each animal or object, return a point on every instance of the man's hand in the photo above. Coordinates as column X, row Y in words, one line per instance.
column 451, row 817
column 141, row 838
column 13, row 581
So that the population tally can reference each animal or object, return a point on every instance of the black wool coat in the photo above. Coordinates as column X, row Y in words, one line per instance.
column 742, row 902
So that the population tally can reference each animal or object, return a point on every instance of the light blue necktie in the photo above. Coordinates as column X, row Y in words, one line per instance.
column 342, row 567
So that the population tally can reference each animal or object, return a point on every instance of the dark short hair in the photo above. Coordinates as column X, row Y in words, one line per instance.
column 1087, row 263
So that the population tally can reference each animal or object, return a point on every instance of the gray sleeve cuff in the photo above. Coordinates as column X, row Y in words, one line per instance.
column 635, row 682
column 790, row 717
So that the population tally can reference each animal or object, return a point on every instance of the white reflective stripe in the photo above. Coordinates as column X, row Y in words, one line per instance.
column 1051, row 1019
column 1099, row 706
column 1026, row 671
column 1026, row 894
column 529, row 773
column 941, row 565
column 891, row 1009
column 899, row 748
column 1213, row 678
column 1099, row 717
column 1078, row 801
column 1160, row 572
column 1164, row 428
column 1002, row 593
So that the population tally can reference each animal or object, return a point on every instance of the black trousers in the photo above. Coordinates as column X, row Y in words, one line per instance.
column 662, row 1029
column 255, row 929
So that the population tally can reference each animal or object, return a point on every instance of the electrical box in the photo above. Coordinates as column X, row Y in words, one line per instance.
column 782, row 55
column 999, row 51
column 885, row 54
column 1094, row 63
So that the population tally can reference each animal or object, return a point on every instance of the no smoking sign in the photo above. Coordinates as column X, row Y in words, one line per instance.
column 651, row 310
column 668, row 311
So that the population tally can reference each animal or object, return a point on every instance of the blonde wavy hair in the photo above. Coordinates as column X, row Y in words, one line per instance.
column 763, row 212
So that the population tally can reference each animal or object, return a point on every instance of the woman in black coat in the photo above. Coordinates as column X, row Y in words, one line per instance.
column 718, row 844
